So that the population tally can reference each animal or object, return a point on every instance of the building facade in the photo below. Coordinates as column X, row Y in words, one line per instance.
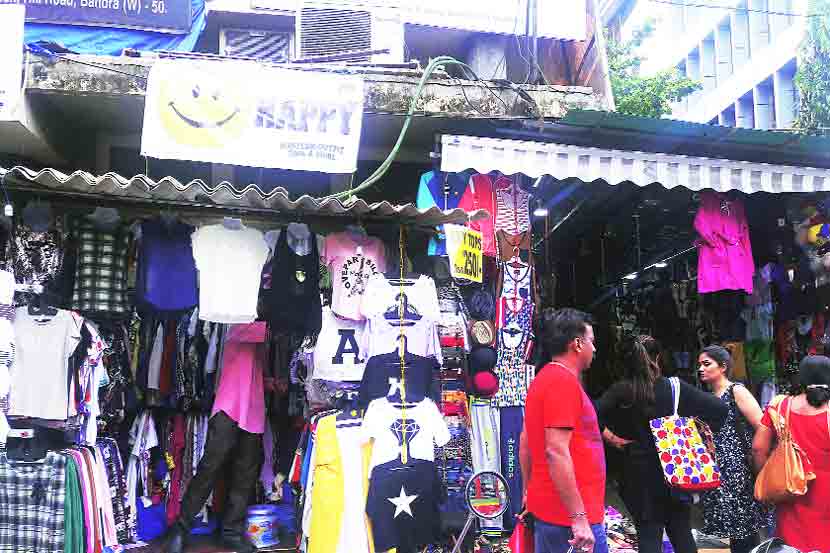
column 744, row 53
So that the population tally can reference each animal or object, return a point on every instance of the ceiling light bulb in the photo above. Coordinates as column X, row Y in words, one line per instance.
column 661, row 265
column 630, row 276
column 540, row 212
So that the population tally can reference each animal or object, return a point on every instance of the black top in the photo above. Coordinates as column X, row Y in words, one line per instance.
column 643, row 488
column 292, row 304
column 382, row 376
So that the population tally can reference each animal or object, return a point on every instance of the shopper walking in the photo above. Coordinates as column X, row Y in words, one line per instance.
column 802, row 522
column 561, row 453
column 731, row 511
column 642, row 395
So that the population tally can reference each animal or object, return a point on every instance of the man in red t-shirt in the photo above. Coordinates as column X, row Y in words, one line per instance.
column 561, row 452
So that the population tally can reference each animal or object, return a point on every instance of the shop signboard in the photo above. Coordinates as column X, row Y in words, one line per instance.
column 244, row 113
column 170, row 16
column 465, row 253
column 11, row 59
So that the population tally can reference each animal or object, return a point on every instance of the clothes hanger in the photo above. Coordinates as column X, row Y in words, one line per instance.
column 39, row 306
column 232, row 223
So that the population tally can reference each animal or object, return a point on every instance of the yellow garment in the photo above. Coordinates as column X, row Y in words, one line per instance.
column 736, row 350
column 327, row 493
column 367, row 458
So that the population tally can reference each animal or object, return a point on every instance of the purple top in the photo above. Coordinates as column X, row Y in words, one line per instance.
column 166, row 279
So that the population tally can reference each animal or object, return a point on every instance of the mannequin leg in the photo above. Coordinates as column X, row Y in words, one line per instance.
column 223, row 435
column 246, row 466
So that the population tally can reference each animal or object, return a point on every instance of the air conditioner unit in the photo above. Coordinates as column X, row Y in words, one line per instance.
column 274, row 46
column 326, row 28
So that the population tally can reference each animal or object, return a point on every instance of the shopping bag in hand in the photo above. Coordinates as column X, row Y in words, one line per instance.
column 521, row 541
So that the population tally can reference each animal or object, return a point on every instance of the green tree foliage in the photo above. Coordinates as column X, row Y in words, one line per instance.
column 634, row 94
column 812, row 79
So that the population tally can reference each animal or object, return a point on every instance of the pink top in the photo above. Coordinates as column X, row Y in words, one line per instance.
column 480, row 194
column 354, row 259
column 241, row 394
column 724, row 252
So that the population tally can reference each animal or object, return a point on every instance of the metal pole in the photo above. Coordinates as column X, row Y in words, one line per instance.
column 470, row 518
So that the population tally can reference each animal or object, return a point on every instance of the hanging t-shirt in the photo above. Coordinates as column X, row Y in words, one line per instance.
column 403, row 505
column 416, row 435
column 230, row 264
column 512, row 209
column 102, row 267
column 515, row 341
column 166, row 278
column 444, row 191
column 480, row 195
column 337, row 355
column 40, row 373
column 382, row 377
column 353, row 260
column 382, row 306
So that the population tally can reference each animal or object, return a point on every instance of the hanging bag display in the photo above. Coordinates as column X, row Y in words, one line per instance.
column 787, row 473
column 687, row 464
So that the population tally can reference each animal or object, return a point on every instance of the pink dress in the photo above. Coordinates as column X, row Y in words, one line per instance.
column 724, row 251
column 803, row 522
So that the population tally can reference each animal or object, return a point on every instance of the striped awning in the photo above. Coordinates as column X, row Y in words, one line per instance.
column 562, row 161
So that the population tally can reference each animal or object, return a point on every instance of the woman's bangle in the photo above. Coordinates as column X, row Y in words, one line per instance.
column 577, row 515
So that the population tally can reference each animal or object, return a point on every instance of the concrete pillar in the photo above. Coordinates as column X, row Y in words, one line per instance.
column 726, row 118
column 744, row 114
column 785, row 98
column 488, row 56
column 739, row 23
column 763, row 108
column 723, row 52
column 693, row 72
column 758, row 25
column 708, row 64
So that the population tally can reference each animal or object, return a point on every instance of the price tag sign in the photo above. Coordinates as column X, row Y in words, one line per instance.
column 464, row 251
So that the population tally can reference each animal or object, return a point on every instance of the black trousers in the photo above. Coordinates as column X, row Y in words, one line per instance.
column 225, row 440
column 678, row 526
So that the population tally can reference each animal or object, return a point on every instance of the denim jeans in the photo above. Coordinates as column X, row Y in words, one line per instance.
column 549, row 538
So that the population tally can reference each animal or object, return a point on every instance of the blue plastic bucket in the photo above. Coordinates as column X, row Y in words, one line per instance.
column 263, row 525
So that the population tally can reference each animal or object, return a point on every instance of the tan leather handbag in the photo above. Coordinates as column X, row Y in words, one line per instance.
column 786, row 473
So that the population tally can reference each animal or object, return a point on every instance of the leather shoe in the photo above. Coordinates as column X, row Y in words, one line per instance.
column 176, row 540
column 238, row 542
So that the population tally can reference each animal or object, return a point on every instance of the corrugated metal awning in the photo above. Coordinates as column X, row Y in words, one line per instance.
column 168, row 190
column 561, row 161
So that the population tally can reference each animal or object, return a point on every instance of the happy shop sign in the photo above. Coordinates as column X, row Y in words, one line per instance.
column 248, row 114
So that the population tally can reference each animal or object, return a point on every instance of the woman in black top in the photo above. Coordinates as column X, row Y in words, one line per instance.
column 626, row 409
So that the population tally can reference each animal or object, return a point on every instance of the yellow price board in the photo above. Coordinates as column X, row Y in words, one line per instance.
column 464, row 251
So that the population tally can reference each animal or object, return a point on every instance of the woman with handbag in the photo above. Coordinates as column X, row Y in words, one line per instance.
column 800, row 486
column 627, row 407
column 731, row 511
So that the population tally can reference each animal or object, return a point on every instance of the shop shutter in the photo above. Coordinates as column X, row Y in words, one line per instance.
column 262, row 45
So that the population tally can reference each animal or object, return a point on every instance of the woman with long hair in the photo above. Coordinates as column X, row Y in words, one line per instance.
column 627, row 407
column 802, row 522
column 731, row 511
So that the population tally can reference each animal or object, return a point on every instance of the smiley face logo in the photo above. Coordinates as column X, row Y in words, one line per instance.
column 200, row 110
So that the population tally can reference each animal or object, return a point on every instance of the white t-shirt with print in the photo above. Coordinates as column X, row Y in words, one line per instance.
column 425, row 428
column 338, row 355
column 230, row 263
column 421, row 317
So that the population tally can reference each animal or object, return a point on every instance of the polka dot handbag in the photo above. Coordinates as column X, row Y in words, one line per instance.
column 687, row 463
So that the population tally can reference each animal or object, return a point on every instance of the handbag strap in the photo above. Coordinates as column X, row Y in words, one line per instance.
column 675, row 392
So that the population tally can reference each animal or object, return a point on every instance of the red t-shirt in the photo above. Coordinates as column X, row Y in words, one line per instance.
column 556, row 400
column 480, row 195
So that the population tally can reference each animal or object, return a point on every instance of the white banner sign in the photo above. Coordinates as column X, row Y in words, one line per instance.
column 11, row 59
column 248, row 114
